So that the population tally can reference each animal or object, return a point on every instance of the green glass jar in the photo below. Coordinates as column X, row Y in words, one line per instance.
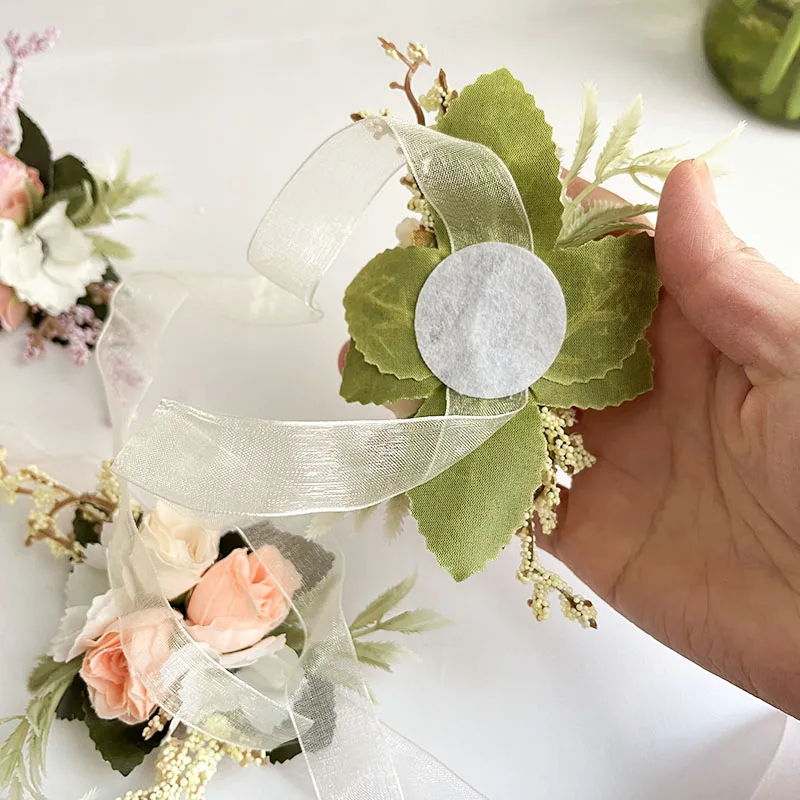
column 753, row 47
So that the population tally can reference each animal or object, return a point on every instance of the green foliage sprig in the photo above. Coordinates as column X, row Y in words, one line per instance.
column 378, row 617
column 584, row 221
column 24, row 753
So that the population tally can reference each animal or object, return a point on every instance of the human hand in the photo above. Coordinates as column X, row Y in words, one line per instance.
column 689, row 524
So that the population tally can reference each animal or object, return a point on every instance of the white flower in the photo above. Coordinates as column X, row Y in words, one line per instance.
column 90, row 606
column 405, row 231
column 181, row 550
column 50, row 263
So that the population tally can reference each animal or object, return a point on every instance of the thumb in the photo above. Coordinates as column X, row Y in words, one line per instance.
column 746, row 307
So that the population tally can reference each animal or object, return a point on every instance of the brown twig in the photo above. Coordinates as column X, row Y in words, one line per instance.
column 406, row 87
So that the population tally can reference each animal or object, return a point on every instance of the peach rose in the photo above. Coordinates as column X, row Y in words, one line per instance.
column 20, row 189
column 12, row 309
column 241, row 599
column 112, row 677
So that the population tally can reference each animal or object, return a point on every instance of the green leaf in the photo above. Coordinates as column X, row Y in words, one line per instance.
column 611, row 288
column 71, row 706
column 469, row 513
column 617, row 150
column 285, row 752
column 587, row 135
column 383, row 604
column 379, row 309
column 121, row 745
column 635, row 377
column 420, row 620
column 71, row 174
column 364, row 383
column 397, row 509
column 111, row 248
column 497, row 112
column 382, row 655
column 35, row 150
column 602, row 217
column 86, row 532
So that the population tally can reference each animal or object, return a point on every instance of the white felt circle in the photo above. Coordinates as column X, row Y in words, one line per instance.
column 490, row 320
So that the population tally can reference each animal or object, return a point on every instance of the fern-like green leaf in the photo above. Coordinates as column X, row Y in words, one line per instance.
column 617, row 149
column 397, row 509
column 420, row 620
column 382, row 655
column 382, row 605
column 600, row 219
column 587, row 136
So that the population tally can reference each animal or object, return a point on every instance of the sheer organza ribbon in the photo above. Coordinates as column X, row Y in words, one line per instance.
column 248, row 474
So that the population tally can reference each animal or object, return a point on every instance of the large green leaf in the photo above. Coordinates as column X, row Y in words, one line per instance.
column 632, row 379
column 379, row 308
column 469, row 513
column 364, row 383
column 611, row 289
column 34, row 150
column 497, row 112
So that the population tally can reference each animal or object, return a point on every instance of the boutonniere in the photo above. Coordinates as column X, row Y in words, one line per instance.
column 56, row 262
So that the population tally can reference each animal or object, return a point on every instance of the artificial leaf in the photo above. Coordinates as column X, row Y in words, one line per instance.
column 364, row 383
column 587, row 135
column 73, row 181
column 382, row 655
column 71, row 706
column 379, row 309
column 322, row 523
column 469, row 513
column 617, row 150
column 111, row 248
column 602, row 217
column 285, row 752
column 397, row 509
column 497, row 112
column 383, row 604
column 86, row 531
column 420, row 620
column 121, row 745
column 611, row 288
column 35, row 150
column 633, row 378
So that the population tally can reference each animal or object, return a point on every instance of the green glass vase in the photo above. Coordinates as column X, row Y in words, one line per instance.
column 753, row 47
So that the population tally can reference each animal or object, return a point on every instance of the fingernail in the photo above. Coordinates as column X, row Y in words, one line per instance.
column 706, row 180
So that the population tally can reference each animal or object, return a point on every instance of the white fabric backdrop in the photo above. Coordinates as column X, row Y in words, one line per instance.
column 224, row 99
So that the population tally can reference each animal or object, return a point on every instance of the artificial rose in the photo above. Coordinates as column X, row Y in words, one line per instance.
column 12, row 309
column 241, row 599
column 49, row 264
column 20, row 189
column 115, row 661
column 182, row 550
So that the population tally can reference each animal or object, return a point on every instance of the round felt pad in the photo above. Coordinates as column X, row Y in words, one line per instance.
column 490, row 320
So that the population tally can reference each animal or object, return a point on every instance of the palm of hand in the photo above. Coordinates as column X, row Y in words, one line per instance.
column 687, row 524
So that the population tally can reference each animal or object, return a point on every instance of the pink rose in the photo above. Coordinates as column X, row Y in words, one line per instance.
column 20, row 189
column 112, row 677
column 241, row 599
column 12, row 309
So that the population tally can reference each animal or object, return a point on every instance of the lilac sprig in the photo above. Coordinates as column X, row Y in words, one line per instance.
column 78, row 329
column 10, row 90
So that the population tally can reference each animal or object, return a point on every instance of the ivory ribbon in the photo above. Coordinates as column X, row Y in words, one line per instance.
column 237, row 471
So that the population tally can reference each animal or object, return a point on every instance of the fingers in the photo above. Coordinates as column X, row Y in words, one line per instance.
column 746, row 307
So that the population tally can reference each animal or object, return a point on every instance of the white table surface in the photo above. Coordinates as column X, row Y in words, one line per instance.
column 223, row 100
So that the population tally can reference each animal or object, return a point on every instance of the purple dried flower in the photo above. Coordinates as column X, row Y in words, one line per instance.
column 34, row 347
column 80, row 328
column 10, row 91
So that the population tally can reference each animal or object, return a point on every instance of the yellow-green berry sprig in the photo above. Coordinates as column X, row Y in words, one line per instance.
column 415, row 56
column 49, row 499
column 565, row 452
